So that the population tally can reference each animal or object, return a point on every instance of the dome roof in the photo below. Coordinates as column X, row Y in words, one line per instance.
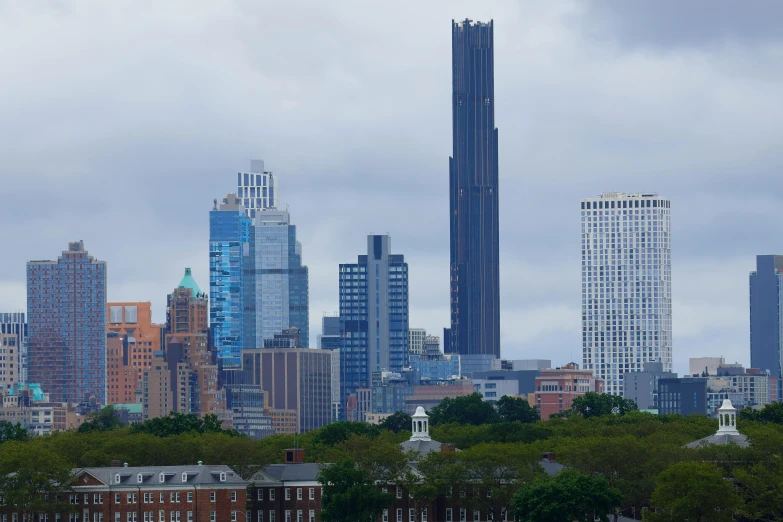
column 189, row 282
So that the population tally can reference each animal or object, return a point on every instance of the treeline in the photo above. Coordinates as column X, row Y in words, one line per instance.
column 641, row 457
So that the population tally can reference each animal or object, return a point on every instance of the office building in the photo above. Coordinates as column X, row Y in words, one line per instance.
column 642, row 387
column 556, row 389
column 257, row 189
column 683, row 396
column 14, row 323
column 473, row 184
column 507, row 382
column 248, row 407
column 373, row 315
column 122, row 378
column 436, row 368
column 521, row 364
column 229, row 248
column 330, row 340
column 416, row 341
column 66, row 314
column 158, row 387
column 293, row 379
column 278, row 280
column 626, row 285
column 431, row 346
column 133, row 320
column 766, row 325
column 430, row 396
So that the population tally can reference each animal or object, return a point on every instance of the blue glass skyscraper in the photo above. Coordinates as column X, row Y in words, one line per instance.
column 766, row 324
column 278, row 279
column 66, row 314
column 473, row 181
column 373, row 315
column 229, row 247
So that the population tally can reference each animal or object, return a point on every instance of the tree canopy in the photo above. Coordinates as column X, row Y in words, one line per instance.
column 468, row 409
column 514, row 409
column 178, row 423
column 104, row 419
column 349, row 493
column 593, row 404
column 397, row 422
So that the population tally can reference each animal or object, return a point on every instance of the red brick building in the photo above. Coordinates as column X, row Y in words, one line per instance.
column 556, row 389
column 196, row 493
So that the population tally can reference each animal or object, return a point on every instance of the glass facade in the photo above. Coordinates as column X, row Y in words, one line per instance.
column 256, row 189
column 766, row 316
column 626, row 285
column 229, row 247
column 278, row 280
column 373, row 316
column 473, row 182
column 66, row 313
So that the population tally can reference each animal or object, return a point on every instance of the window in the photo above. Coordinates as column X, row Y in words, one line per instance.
column 132, row 516
column 73, row 499
column 260, row 494
column 86, row 498
column 190, row 496
column 116, row 478
column 211, row 496
column 139, row 478
column 97, row 499
column 287, row 516
column 271, row 516
column 174, row 497
column 260, row 516
column 162, row 497
column 476, row 515
column 288, row 493
column 233, row 515
column 311, row 494
column 385, row 517
column 117, row 517
column 399, row 515
column 489, row 492
column 298, row 493
column 132, row 498
column 184, row 477
column 463, row 515
column 212, row 516
column 299, row 517
column 271, row 494
column 161, row 478
column 174, row 516
column 222, row 476
column 190, row 516
column 233, row 496
column 399, row 492
column 311, row 517
column 424, row 515
column 161, row 516
column 411, row 515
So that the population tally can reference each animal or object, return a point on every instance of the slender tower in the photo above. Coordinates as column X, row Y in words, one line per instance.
column 473, row 181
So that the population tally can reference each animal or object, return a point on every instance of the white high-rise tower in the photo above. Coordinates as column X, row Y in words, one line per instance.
column 626, row 285
column 257, row 189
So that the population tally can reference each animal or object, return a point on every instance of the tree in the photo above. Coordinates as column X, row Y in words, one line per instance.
column 337, row 432
column 349, row 494
column 33, row 480
column 498, row 471
column 381, row 457
column 397, row 422
column 104, row 419
column 178, row 423
column 568, row 496
column 593, row 404
column 771, row 413
column 9, row 431
column 693, row 491
column 468, row 409
column 514, row 409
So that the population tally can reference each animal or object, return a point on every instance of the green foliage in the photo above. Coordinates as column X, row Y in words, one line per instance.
column 178, row 423
column 103, row 420
column 514, row 409
column 397, row 422
column 9, row 431
column 693, row 491
column 337, row 432
column 31, row 480
column 349, row 493
column 468, row 409
column 593, row 404
column 771, row 413
column 568, row 496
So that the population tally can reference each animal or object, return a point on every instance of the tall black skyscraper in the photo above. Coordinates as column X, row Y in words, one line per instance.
column 473, row 173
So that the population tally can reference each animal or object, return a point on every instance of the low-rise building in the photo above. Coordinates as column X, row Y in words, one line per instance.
column 642, row 387
column 556, row 389
column 683, row 396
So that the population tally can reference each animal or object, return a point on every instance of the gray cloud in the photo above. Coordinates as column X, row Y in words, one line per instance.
column 120, row 123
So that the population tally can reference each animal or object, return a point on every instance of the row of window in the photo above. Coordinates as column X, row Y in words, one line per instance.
column 287, row 492
column 149, row 498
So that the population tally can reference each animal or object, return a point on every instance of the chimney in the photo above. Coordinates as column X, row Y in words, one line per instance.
column 124, row 464
column 549, row 456
column 448, row 448
column 294, row 456
column 116, row 463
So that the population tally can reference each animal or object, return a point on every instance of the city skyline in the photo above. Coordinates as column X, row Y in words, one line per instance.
column 580, row 117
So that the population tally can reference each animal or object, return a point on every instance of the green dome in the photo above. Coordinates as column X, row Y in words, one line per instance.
column 189, row 282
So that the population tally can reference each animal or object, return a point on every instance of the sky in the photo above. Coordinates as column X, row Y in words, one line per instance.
column 120, row 122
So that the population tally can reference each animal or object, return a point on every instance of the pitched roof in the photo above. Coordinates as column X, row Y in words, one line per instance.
column 304, row 472
column 721, row 439
column 189, row 282
column 198, row 474
column 421, row 446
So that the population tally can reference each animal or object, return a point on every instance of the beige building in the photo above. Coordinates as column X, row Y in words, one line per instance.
column 157, row 390
column 9, row 365
column 416, row 338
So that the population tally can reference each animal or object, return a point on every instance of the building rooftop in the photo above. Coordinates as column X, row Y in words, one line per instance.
column 189, row 282
column 168, row 475
column 727, row 431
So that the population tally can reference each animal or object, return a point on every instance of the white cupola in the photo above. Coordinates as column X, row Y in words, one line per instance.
column 727, row 417
column 421, row 425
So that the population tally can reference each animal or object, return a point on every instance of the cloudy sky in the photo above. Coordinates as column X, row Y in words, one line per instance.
column 121, row 121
